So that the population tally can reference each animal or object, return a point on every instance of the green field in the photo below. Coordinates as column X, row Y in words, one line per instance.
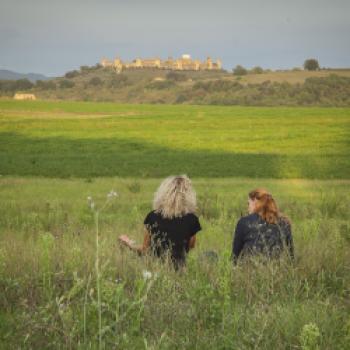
column 70, row 139
column 54, row 155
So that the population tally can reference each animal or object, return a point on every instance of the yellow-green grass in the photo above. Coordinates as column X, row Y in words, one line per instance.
column 48, row 283
column 48, row 278
column 77, row 139
column 290, row 76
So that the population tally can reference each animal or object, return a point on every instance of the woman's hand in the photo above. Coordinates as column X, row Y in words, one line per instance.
column 124, row 239
column 140, row 249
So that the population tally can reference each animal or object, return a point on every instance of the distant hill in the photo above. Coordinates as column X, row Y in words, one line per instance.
column 326, row 87
column 10, row 75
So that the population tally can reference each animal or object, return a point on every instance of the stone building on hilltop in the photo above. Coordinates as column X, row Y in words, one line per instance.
column 183, row 63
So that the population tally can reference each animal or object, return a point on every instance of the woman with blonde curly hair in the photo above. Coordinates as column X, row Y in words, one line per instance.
column 265, row 231
column 171, row 227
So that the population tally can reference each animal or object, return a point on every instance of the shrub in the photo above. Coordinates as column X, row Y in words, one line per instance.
column 23, row 84
column 217, row 85
column 239, row 70
column 176, row 76
column 46, row 85
column 118, row 81
column 95, row 81
column 309, row 337
column 71, row 74
column 84, row 69
column 7, row 85
column 160, row 85
column 66, row 84
column 180, row 99
column 311, row 64
column 257, row 70
column 14, row 85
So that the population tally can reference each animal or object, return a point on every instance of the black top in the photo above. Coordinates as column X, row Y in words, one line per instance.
column 254, row 235
column 171, row 236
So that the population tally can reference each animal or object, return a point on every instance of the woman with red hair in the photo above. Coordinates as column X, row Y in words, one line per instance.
column 264, row 231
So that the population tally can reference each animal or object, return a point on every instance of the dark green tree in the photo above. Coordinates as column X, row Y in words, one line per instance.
column 23, row 84
column 174, row 76
column 257, row 70
column 239, row 70
column 71, row 74
column 119, row 81
column 95, row 81
column 46, row 85
column 66, row 84
column 311, row 64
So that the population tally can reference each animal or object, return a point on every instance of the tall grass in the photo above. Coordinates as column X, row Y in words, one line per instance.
column 66, row 284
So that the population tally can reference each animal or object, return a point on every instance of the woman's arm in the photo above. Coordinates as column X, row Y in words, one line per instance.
column 289, row 241
column 192, row 242
column 238, row 241
column 141, row 249
column 288, row 237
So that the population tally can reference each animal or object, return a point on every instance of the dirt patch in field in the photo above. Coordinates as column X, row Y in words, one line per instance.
column 65, row 115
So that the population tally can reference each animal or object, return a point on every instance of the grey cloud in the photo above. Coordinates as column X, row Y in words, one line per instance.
column 53, row 36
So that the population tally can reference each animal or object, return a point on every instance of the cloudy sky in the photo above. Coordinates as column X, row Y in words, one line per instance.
column 51, row 37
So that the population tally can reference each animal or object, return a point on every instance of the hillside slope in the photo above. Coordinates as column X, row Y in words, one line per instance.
column 10, row 75
column 288, row 88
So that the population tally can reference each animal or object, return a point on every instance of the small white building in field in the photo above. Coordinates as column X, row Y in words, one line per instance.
column 19, row 96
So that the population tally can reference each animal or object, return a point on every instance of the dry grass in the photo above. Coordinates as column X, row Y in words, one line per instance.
column 292, row 77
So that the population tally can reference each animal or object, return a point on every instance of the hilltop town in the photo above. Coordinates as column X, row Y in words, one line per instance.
column 181, row 64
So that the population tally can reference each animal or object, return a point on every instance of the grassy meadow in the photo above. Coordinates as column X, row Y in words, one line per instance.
column 70, row 139
column 66, row 284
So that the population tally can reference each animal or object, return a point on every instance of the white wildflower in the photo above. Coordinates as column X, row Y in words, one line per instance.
column 112, row 194
column 146, row 275
column 91, row 203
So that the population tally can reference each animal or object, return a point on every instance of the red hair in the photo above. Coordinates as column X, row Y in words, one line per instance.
column 265, row 206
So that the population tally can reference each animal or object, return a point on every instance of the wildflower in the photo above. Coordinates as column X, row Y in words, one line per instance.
column 146, row 275
column 112, row 194
column 91, row 203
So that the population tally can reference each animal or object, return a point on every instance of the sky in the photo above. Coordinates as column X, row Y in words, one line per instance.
column 53, row 37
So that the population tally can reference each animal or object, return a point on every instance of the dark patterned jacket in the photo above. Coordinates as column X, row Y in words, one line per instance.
column 255, row 236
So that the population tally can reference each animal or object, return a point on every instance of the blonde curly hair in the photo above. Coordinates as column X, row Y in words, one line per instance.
column 175, row 197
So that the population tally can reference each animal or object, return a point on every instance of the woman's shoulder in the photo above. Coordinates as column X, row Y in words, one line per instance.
column 191, row 216
column 284, row 221
column 249, row 218
column 150, row 217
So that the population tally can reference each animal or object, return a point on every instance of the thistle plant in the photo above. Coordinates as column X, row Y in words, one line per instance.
column 309, row 337
column 96, row 211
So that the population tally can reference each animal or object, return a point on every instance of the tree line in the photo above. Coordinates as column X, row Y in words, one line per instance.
column 311, row 64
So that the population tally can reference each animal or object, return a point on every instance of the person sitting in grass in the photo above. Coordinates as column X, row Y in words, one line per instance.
column 264, row 231
column 171, row 227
